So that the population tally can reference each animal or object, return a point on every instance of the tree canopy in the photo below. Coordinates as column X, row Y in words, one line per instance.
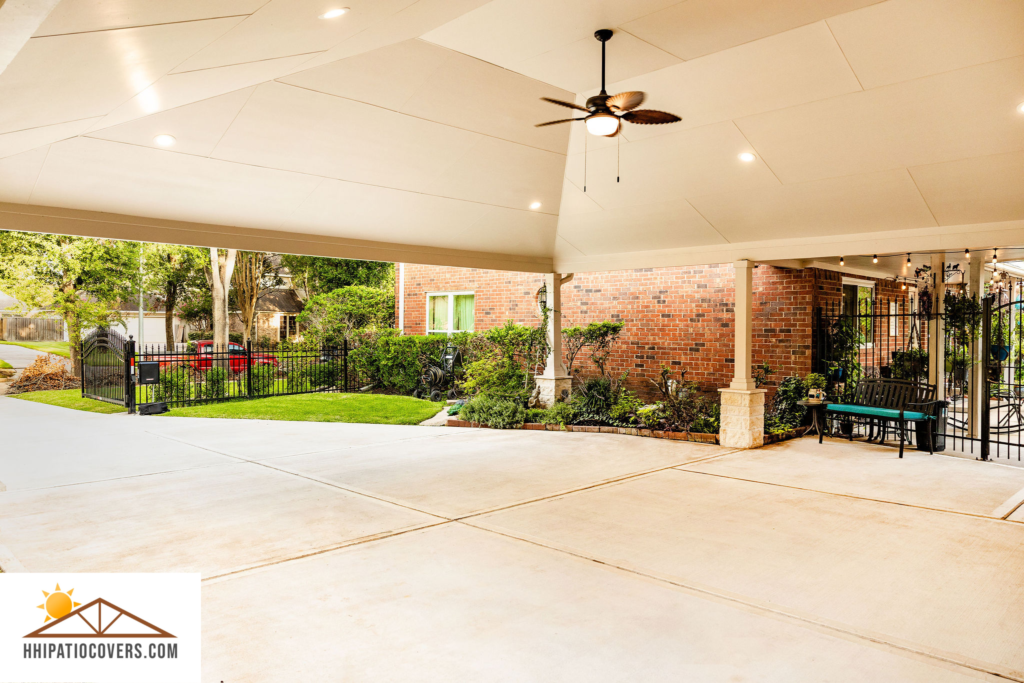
column 317, row 275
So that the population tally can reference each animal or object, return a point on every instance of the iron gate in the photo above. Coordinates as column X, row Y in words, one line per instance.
column 105, row 365
column 1002, row 365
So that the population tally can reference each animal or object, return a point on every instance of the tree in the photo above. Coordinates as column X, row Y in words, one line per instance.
column 331, row 318
column 315, row 275
column 255, row 273
column 173, row 272
column 222, row 263
column 80, row 279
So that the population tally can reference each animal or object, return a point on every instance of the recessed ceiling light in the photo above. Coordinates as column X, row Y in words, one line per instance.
column 1020, row 107
column 164, row 140
column 334, row 13
column 746, row 156
column 535, row 206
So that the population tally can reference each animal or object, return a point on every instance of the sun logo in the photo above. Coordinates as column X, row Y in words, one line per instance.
column 58, row 603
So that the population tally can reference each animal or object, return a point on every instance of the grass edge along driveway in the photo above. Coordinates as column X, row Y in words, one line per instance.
column 54, row 347
column 362, row 408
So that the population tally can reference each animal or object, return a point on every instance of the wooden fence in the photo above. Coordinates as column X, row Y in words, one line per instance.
column 31, row 329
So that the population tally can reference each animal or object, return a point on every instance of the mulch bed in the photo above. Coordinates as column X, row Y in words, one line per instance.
column 629, row 431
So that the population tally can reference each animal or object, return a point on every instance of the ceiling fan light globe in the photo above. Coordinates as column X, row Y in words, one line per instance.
column 603, row 125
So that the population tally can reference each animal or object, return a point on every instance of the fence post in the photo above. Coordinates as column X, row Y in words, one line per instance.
column 248, row 368
column 81, row 366
column 129, row 376
column 344, row 362
column 985, row 390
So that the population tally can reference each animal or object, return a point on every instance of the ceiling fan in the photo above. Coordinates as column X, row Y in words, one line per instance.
column 605, row 113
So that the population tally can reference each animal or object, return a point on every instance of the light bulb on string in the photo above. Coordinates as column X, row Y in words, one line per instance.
column 841, row 261
column 874, row 259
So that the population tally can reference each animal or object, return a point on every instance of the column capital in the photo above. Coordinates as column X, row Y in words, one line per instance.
column 744, row 263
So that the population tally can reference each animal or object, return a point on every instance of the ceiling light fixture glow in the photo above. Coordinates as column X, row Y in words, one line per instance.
column 1020, row 107
column 746, row 156
column 334, row 13
column 603, row 125
column 165, row 140
column 908, row 260
column 994, row 255
column 842, row 261
column 535, row 206
column 967, row 253
column 874, row 259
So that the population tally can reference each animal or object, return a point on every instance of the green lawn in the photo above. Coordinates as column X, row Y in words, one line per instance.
column 54, row 347
column 70, row 398
column 4, row 365
column 365, row 408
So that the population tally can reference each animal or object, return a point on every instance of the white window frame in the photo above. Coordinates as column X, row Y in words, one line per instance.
column 863, row 283
column 451, row 310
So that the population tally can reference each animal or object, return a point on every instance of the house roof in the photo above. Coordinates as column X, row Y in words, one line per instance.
column 279, row 301
column 407, row 132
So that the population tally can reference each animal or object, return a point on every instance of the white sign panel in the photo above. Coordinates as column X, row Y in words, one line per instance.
column 100, row 628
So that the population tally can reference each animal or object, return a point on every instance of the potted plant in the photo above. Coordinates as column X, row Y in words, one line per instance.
column 815, row 383
column 1000, row 348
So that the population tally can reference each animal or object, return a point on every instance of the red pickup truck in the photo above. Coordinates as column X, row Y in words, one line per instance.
column 237, row 359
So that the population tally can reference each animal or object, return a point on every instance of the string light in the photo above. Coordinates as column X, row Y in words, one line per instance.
column 874, row 259
column 908, row 259
column 967, row 253
column 994, row 255
column 841, row 261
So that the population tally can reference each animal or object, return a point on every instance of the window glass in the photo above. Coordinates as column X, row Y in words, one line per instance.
column 437, row 310
column 463, row 318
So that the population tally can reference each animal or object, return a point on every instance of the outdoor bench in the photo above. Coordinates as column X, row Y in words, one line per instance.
column 890, row 402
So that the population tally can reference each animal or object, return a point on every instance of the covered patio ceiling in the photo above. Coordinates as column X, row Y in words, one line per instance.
column 404, row 129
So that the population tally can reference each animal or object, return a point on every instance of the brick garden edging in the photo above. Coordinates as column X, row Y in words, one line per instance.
column 628, row 431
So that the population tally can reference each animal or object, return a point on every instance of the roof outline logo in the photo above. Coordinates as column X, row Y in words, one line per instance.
column 59, row 628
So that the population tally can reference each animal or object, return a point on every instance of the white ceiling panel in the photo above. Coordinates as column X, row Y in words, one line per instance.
column 956, row 115
column 197, row 127
column 903, row 39
column 24, row 140
column 503, row 174
column 980, row 190
column 342, row 139
column 18, row 175
column 576, row 67
column 427, row 81
column 689, row 163
column 509, row 32
column 669, row 225
column 695, row 28
column 283, row 28
column 410, row 22
column 82, row 16
column 364, row 212
column 575, row 201
column 65, row 78
column 175, row 90
column 802, row 65
column 868, row 203
column 97, row 175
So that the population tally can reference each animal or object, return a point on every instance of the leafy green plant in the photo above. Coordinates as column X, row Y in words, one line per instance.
column 314, row 376
column 709, row 420
column 682, row 406
column 499, row 413
column 175, row 384
column 262, row 378
column 331, row 318
column 761, row 374
column 909, row 364
column 561, row 413
column 962, row 316
column 214, row 384
column 598, row 336
column 815, row 381
column 784, row 412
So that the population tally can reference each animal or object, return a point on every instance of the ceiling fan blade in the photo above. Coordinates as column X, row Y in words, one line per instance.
column 625, row 101
column 650, row 116
column 565, row 104
column 551, row 123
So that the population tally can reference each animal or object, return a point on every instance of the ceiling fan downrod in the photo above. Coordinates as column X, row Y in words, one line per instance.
column 603, row 35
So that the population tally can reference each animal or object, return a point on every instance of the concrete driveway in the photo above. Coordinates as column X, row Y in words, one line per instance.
column 436, row 554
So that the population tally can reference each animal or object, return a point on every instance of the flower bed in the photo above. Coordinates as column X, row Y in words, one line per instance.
column 785, row 436
column 628, row 431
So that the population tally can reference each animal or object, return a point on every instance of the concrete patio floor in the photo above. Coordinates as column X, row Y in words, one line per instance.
column 377, row 553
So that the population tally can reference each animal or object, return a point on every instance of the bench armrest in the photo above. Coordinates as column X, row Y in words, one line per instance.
column 930, row 405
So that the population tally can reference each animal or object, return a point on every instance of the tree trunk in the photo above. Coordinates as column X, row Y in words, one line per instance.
column 171, row 301
column 221, row 267
column 74, row 343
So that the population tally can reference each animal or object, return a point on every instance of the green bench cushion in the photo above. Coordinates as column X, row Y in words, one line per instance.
column 868, row 411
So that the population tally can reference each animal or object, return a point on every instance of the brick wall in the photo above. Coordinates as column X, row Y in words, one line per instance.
column 676, row 317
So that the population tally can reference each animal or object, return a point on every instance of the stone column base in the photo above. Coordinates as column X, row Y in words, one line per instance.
column 742, row 418
column 552, row 389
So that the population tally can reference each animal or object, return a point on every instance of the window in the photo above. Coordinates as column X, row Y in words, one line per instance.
column 288, row 327
column 859, row 300
column 450, row 312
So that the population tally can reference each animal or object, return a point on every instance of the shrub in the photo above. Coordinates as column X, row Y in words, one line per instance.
column 621, row 413
column 499, row 413
column 175, row 384
column 599, row 336
column 331, row 318
column 909, row 364
column 207, row 335
column 536, row 416
column 815, row 381
column 708, row 421
column 314, row 376
column 561, row 413
column 262, row 378
column 214, row 384
column 492, row 375
column 784, row 413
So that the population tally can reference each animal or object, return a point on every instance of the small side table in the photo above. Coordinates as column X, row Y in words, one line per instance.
column 817, row 416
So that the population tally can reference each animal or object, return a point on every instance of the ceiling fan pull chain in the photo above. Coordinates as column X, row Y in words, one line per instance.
column 585, row 162
column 618, row 156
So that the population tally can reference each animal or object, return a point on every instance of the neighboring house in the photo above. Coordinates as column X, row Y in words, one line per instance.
column 275, row 315
column 681, row 317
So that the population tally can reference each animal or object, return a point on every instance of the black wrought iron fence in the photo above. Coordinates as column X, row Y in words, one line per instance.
column 105, row 366
column 202, row 372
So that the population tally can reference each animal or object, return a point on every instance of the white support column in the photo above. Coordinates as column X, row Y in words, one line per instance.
column 742, row 403
column 555, row 383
